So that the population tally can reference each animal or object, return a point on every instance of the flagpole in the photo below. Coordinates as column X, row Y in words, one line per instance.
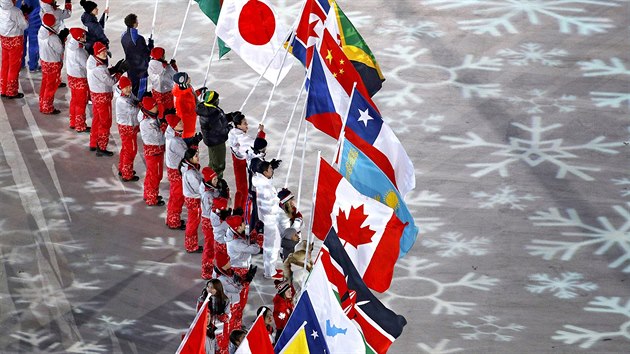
column 181, row 31
column 284, row 136
column 205, row 79
column 299, row 193
column 311, row 218
column 343, row 126
column 154, row 17
column 297, row 138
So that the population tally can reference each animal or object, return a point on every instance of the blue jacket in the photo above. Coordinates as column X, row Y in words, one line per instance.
column 95, row 31
column 136, row 54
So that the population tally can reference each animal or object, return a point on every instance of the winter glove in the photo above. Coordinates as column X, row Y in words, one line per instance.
column 109, row 54
column 201, row 91
column 169, row 111
column 150, row 44
column 238, row 211
column 173, row 63
column 63, row 34
column 275, row 163
column 26, row 10
column 251, row 273
column 124, row 66
column 112, row 70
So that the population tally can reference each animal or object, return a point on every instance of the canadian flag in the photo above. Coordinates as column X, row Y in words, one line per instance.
column 368, row 230
column 251, row 29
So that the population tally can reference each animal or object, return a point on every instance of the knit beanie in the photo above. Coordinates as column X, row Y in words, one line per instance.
column 208, row 174
column 172, row 120
column 219, row 204
column 148, row 103
column 284, row 195
column 99, row 48
column 124, row 82
column 48, row 20
column 88, row 5
column 180, row 79
column 157, row 53
column 210, row 98
column 234, row 221
column 77, row 33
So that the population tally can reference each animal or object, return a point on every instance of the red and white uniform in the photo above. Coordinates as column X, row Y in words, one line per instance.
column 12, row 26
column 60, row 14
column 76, row 60
column 282, row 309
column 101, row 84
column 240, row 252
column 153, row 141
column 175, row 150
column 191, row 184
column 161, row 79
column 50, row 56
column 219, row 229
column 268, row 211
column 207, row 257
column 239, row 142
column 128, row 128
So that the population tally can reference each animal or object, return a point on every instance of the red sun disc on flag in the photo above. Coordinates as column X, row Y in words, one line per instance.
column 256, row 23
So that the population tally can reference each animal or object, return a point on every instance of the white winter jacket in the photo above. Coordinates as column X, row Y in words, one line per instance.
column 160, row 76
column 12, row 21
column 191, row 179
column 126, row 110
column 207, row 196
column 99, row 79
column 266, row 199
column 239, row 142
column 239, row 250
column 219, row 228
column 60, row 14
column 50, row 47
column 175, row 149
column 76, row 58
column 284, row 222
column 150, row 131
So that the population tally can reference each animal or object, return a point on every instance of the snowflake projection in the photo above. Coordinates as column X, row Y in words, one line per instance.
column 488, row 327
column 424, row 198
column 538, row 101
column 407, row 121
column 98, row 264
column 129, row 195
column 59, row 143
column 608, row 305
column 502, row 13
column 166, row 333
column 160, row 268
column 563, row 287
column 107, row 325
column 598, row 68
column 505, row 195
column 440, row 348
column 417, row 75
column 43, row 342
column 532, row 53
column 452, row 244
column 534, row 151
column 410, row 32
column 56, row 207
column 432, row 289
column 623, row 182
column 610, row 99
column 606, row 236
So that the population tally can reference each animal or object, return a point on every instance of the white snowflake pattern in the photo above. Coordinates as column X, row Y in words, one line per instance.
column 407, row 121
column 42, row 341
column 610, row 99
column 160, row 267
column 107, row 325
column 410, row 32
column 623, row 182
column 502, row 13
column 531, row 53
column 440, row 348
column 538, row 101
column 452, row 244
column 505, row 195
column 606, row 236
column 435, row 289
column 608, row 305
column 534, row 151
column 599, row 68
column 488, row 327
column 564, row 287
column 128, row 196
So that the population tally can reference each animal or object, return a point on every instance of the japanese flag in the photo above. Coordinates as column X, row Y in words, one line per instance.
column 251, row 29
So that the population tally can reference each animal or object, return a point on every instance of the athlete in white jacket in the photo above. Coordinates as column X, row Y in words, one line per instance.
column 12, row 25
column 161, row 78
column 175, row 150
column 128, row 127
column 191, row 183
column 153, row 143
column 76, row 59
column 51, row 7
column 50, row 55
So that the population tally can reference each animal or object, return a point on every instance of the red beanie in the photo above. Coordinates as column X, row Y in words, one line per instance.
column 172, row 120
column 99, row 48
column 148, row 103
column 219, row 204
column 77, row 33
column 49, row 2
column 124, row 82
column 49, row 20
column 157, row 53
column 234, row 221
column 208, row 174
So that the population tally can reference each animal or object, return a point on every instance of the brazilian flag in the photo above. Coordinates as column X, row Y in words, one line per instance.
column 212, row 9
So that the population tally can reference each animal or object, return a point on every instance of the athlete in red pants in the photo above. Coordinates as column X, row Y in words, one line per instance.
column 161, row 78
column 76, row 57
column 152, row 134
column 13, row 22
column 208, row 196
column 50, row 54
column 191, row 183
column 175, row 150
column 127, row 120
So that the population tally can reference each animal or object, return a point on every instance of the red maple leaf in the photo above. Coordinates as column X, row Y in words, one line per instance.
column 349, row 227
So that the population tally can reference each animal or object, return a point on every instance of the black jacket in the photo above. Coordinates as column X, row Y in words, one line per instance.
column 136, row 54
column 95, row 31
column 213, row 123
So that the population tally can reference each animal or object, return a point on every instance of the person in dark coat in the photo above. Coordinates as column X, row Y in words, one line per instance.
column 95, row 28
column 137, row 53
column 215, row 126
column 30, row 35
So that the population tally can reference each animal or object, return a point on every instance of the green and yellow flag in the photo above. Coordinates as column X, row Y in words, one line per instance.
column 212, row 9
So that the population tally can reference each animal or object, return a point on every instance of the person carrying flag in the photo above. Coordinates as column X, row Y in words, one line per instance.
column 136, row 54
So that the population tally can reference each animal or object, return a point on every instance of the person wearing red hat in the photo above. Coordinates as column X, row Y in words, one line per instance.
column 101, row 81
column 12, row 25
column 175, row 149
column 128, row 127
column 218, row 215
column 192, row 182
column 51, row 7
column 50, row 55
column 152, row 133
column 289, row 222
column 209, row 191
column 161, row 78
column 240, row 252
column 76, row 58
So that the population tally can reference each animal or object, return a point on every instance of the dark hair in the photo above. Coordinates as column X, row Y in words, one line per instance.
column 263, row 310
column 217, row 307
column 263, row 166
column 236, row 335
column 237, row 118
column 224, row 214
column 188, row 155
column 131, row 20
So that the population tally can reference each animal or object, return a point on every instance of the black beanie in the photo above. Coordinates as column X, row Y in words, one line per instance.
column 180, row 79
column 259, row 144
column 88, row 5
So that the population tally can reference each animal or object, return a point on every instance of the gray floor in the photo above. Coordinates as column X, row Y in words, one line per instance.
column 514, row 112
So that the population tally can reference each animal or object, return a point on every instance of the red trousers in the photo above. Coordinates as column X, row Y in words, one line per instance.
column 240, row 178
column 12, row 48
column 51, row 78
column 164, row 101
column 221, row 256
column 128, row 149
column 222, row 338
column 101, row 119
column 207, row 257
column 175, row 198
column 79, row 93
column 154, row 158
column 191, row 239
column 237, row 309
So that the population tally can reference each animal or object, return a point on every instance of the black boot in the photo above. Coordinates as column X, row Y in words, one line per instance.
column 100, row 153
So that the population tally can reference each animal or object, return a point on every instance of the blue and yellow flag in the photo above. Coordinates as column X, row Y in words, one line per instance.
column 302, row 334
